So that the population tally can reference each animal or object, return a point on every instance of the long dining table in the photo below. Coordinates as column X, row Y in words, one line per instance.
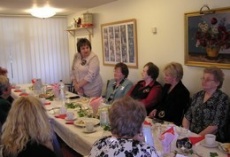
column 80, row 141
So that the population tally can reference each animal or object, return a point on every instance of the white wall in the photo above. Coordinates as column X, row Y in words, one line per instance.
column 166, row 46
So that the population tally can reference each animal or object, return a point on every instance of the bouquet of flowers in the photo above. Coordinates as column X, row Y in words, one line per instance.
column 214, row 34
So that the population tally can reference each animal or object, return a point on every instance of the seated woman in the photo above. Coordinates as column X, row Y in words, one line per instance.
column 120, row 85
column 175, row 96
column 209, row 107
column 5, row 104
column 27, row 131
column 148, row 90
column 126, row 117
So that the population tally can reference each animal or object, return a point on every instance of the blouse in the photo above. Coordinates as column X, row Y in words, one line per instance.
column 88, row 70
column 173, row 104
column 113, row 93
column 120, row 147
column 149, row 95
column 212, row 112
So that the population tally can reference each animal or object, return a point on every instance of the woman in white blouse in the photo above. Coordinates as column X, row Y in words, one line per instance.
column 86, row 76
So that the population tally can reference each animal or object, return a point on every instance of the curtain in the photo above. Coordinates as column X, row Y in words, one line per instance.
column 34, row 48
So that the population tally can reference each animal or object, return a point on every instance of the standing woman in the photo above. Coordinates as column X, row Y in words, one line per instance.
column 175, row 96
column 148, row 91
column 209, row 107
column 120, row 85
column 86, row 77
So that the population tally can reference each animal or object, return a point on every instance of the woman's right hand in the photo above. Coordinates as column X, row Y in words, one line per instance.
column 153, row 113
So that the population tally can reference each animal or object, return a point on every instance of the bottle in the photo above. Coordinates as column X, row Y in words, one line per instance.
column 62, row 91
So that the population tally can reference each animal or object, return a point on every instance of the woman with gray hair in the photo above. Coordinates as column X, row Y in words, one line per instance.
column 175, row 96
column 126, row 117
column 209, row 107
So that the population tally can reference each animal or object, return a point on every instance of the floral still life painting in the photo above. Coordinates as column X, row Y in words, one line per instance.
column 207, row 39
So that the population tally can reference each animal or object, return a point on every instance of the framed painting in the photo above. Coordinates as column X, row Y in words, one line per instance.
column 207, row 38
column 119, row 43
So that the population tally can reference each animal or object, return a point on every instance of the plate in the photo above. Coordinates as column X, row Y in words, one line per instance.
column 66, row 118
column 86, row 131
column 209, row 146
column 81, row 121
column 225, row 147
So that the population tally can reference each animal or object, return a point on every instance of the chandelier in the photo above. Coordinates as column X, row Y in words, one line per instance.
column 43, row 12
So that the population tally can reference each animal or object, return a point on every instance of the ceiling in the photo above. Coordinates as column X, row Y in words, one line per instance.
column 64, row 7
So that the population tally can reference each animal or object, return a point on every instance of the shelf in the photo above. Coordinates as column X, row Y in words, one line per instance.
column 88, row 29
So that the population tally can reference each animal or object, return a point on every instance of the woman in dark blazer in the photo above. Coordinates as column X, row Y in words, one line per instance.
column 175, row 96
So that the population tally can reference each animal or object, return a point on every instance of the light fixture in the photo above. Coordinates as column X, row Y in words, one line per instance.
column 44, row 12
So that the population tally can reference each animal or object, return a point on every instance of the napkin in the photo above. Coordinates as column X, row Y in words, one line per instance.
column 23, row 94
column 70, row 122
column 95, row 103
column 195, row 140
column 17, row 90
column 147, row 123
column 166, row 139
column 62, row 116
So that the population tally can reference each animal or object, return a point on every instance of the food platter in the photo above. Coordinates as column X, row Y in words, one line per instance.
column 80, row 122
column 225, row 147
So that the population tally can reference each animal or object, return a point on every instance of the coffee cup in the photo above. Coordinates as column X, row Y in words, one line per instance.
column 89, row 126
column 70, row 115
column 210, row 139
column 147, row 133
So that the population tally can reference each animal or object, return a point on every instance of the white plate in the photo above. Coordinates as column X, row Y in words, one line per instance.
column 86, row 131
column 209, row 146
column 81, row 121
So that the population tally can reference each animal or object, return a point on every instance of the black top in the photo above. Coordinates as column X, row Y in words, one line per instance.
column 174, row 104
column 5, row 106
column 34, row 149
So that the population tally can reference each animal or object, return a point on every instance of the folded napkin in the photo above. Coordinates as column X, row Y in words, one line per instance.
column 147, row 123
column 47, row 103
column 95, row 103
column 70, row 122
column 195, row 140
column 166, row 139
column 17, row 90
column 23, row 94
column 62, row 116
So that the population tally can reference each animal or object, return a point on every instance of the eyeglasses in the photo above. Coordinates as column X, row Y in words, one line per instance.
column 206, row 80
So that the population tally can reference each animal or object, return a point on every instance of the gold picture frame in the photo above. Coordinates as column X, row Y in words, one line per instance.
column 196, row 55
column 119, row 43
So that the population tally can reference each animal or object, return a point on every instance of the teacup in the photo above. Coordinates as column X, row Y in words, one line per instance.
column 210, row 139
column 89, row 126
column 70, row 115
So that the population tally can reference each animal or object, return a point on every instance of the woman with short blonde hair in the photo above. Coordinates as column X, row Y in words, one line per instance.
column 27, row 126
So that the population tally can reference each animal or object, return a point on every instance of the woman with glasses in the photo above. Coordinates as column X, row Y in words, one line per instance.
column 175, row 96
column 120, row 85
column 209, row 107
column 86, row 76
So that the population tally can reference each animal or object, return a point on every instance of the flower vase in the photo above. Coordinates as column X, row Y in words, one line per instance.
column 212, row 52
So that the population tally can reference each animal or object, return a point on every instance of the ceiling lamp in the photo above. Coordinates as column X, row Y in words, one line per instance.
column 44, row 12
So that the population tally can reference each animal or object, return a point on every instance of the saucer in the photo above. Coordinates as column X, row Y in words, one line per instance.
column 86, row 131
column 209, row 146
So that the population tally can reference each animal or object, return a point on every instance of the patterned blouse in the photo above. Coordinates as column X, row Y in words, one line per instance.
column 212, row 112
column 112, row 147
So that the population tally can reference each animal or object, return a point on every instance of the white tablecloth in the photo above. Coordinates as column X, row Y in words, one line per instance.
column 82, row 142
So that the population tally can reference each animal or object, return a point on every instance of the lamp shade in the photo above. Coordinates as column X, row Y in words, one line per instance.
column 44, row 12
